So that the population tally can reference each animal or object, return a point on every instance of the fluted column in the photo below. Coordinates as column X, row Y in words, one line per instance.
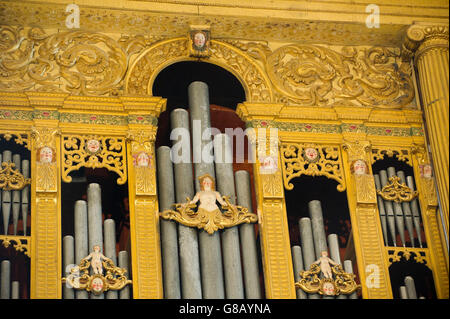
column 428, row 45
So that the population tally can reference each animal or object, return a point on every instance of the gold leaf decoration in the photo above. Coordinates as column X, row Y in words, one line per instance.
column 210, row 221
column 326, row 162
column 397, row 191
column 12, row 179
column 114, row 279
column 109, row 153
column 343, row 283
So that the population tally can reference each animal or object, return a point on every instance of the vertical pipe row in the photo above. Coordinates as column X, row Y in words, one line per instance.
column 81, row 238
column 381, row 210
column 248, row 239
column 187, row 237
column 389, row 209
column 297, row 262
column 415, row 211
column 210, row 246
column 223, row 154
column 169, row 238
column 109, row 228
column 68, row 260
column 6, row 197
column 399, row 220
column 15, row 202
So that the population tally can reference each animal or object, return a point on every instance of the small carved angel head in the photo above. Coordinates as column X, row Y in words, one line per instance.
column 359, row 167
column 207, row 182
column 96, row 248
column 46, row 154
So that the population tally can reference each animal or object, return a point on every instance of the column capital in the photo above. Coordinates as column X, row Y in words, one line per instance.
column 420, row 37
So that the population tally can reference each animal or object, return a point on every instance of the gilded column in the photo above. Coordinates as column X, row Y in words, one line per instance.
column 366, row 225
column 429, row 207
column 145, row 240
column 46, row 218
column 428, row 45
column 277, row 260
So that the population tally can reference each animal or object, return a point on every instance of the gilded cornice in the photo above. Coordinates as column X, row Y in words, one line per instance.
column 303, row 21
column 66, row 108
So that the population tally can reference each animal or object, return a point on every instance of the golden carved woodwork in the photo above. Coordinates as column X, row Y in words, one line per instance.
column 79, row 278
column 343, row 283
column 402, row 154
column 46, row 247
column 19, row 243
column 293, row 74
column 144, row 173
column 365, row 189
column 327, row 162
column 12, row 179
column 146, row 265
column 210, row 221
column 418, row 255
column 108, row 152
column 19, row 138
column 396, row 191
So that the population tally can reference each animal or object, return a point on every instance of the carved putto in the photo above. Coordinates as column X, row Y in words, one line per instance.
column 333, row 282
column 97, row 283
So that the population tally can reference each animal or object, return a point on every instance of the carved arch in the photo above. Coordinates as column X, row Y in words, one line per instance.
column 153, row 60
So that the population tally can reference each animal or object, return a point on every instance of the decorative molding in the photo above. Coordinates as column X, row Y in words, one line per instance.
column 421, row 37
column 12, row 179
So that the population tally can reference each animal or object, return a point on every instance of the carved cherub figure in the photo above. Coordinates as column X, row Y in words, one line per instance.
column 207, row 195
column 97, row 258
column 324, row 261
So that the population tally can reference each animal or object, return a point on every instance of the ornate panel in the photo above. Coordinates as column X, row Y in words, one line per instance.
column 94, row 152
column 311, row 160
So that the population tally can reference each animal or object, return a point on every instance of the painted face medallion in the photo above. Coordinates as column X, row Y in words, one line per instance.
column 311, row 154
column 93, row 146
column 199, row 40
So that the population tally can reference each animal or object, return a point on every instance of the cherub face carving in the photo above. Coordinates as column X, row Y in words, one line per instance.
column 46, row 154
column 93, row 146
column 311, row 154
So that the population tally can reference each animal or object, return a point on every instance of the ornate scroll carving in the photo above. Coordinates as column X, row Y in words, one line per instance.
column 314, row 75
column 312, row 160
column 343, row 284
column 419, row 255
column 94, row 152
column 114, row 279
column 12, row 179
column 89, row 63
column 402, row 154
column 210, row 221
column 19, row 138
column 82, row 62
column 397, row 191
column 20, row 243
